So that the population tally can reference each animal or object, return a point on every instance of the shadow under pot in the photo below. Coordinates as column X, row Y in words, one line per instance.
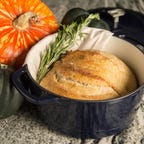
column 83, row 118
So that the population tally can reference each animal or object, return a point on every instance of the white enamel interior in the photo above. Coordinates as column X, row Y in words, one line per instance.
column 95, row 39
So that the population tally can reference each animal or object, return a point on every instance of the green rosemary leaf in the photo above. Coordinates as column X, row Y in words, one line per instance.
column 65, row 38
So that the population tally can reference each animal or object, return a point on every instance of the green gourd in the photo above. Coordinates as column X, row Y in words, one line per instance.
column 10, row 98
column 73, row 14
column 77, row 14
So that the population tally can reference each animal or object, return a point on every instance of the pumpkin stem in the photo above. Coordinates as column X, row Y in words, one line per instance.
column 25, row 20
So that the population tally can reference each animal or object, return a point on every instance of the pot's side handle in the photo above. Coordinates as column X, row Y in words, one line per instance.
column 31, row 90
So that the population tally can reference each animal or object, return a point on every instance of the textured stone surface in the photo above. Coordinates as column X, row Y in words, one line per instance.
column 25, row 127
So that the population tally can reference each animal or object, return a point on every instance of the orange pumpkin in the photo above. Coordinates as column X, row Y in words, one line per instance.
column 22, row 24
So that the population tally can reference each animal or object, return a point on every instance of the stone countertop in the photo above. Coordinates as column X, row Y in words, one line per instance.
column 25, row 127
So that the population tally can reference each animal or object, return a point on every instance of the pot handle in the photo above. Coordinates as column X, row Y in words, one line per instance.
column 28, row 87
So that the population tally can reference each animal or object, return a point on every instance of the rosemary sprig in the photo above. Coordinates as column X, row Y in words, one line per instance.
column 63, row 41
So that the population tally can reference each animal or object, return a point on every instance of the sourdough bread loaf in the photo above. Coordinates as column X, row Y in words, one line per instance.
column 90, row 75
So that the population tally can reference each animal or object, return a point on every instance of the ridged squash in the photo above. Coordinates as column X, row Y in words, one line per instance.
column 77, row 14
column 10, row 98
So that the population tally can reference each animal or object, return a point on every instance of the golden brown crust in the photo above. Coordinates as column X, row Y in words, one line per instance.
column 90, row 75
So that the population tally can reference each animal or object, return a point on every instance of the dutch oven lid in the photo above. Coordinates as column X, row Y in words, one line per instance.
column 124, row 23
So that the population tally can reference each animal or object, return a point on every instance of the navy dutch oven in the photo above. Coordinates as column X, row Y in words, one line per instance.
column 84, row 119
